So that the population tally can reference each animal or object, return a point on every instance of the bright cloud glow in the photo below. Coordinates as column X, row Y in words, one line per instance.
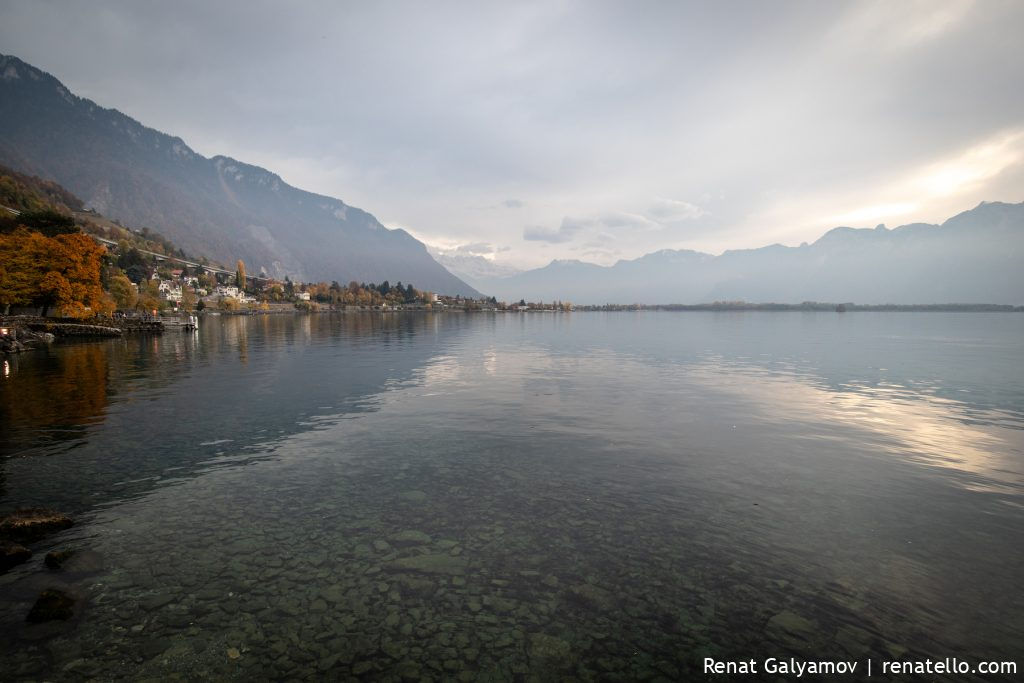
column 973, row 167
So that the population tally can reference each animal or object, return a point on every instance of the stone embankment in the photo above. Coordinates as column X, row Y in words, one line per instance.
column 21, row 333
column 76, row 329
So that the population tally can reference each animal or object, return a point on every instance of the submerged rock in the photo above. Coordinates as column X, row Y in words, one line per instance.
column 436, row 563
column 549, row 651
column 12, row 554
column 55, row 559
column 30, row 524
column 51, row 605
column 410, row 537
column 83, row 562
column 791, row 629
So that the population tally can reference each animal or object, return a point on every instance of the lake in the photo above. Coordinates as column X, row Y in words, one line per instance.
column 589, row 496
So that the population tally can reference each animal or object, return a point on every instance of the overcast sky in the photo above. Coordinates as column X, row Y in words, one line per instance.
column 589, row 130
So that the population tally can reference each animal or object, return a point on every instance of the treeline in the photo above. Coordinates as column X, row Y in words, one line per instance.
column 29, row 193
column 363, row 294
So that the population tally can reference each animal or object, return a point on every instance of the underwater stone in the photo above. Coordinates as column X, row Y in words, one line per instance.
column 409, row 671
column 852, row 639
column 362, row 667
column 410, row 537
column 153, row 648
column 55, row 559
column 51, row 605
column 154, row 602
column 896, row 650
column 327, row 663
column 431, row 564
column 12, row 554
column 791, row 628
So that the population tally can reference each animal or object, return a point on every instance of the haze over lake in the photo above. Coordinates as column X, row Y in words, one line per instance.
column 593, row 495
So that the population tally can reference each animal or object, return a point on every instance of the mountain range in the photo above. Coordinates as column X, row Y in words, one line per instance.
column 219, row 207
column 226, row 209
column 974, row 257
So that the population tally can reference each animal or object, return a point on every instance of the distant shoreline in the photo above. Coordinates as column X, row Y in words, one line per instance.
column 814, row 307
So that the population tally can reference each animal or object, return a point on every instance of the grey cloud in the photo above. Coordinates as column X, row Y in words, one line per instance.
column 513, row 204
column 621, row 219
column 672, row 210
column 565, row 232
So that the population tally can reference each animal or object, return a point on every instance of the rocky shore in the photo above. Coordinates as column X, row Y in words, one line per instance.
column 16, row 338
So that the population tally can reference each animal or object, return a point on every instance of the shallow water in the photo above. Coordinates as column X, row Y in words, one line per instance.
column 500, row 497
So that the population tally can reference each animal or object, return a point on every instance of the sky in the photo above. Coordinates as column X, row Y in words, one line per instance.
column 530, row 131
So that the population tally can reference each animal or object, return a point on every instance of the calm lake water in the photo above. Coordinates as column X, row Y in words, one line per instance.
column 520, row 497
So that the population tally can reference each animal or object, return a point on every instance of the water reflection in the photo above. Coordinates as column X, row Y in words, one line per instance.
column 570, row 496
column 926, row 429
column 138, row 409
column 54, row 394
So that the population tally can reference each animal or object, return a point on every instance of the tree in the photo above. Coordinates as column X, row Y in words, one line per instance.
column 61, row 272
column 16, row 274
column 188, row 298
column 124, row 292
column 149, row 296
column 47, row 221
column 240, row 275
column 227, row 303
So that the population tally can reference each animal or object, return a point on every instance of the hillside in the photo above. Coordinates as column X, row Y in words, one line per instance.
column 216, row 206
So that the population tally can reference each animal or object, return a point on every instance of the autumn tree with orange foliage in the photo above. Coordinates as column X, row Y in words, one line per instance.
column 52, row 272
